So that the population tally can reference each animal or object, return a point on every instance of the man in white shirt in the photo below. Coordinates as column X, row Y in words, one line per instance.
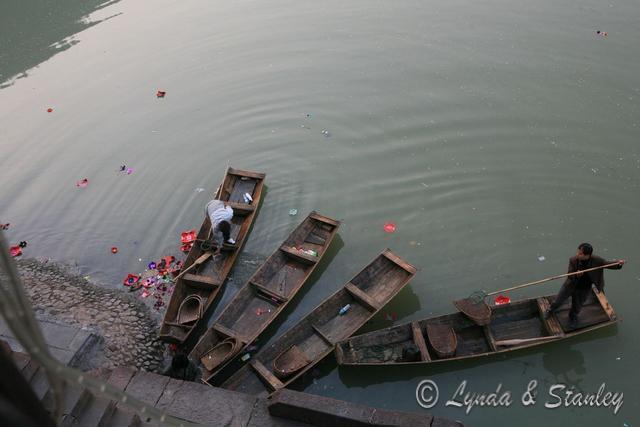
column 220, row 215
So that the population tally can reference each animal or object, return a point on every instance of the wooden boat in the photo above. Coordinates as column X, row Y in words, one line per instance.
column 513, row 326
column 343, row 313
column 196, row 289
column 266, row 293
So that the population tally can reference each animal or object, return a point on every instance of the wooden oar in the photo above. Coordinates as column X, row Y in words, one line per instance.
column 479, row 311
column 526, row 340
column 197, row 262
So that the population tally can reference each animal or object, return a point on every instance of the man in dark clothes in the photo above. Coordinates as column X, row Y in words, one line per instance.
column 578, row 286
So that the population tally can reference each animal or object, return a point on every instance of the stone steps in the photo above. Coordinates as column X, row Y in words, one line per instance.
column 205, row 405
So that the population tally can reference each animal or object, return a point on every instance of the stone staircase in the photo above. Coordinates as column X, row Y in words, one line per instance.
column 206, row 405
column 190, row 401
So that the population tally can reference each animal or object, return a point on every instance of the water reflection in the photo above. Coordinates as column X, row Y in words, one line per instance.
column 566, row 364
column 33, row 31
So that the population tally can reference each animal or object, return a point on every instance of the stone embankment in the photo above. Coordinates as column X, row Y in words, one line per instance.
column 125, row 324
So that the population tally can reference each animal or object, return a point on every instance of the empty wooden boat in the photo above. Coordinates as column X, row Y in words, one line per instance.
column 203, row 274
column 314, row 337
column 513, row 326
column 266, row 293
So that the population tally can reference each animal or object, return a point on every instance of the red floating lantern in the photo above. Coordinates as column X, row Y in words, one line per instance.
column 186, row 247
column 15, row 251
column 501, row 300
column 131, row 279
column 188, row 236
column 49, row 110
column 389, row 227
column 161, row 93
column 114, row 250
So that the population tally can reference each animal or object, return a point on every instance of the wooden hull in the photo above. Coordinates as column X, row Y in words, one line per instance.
column 206, row 280
column 316, row 334
column 268, row 291
column 513, row 326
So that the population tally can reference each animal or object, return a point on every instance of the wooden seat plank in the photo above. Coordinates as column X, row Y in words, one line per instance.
column 399, row 261
column 418, row 339
column 490, row 338
column 323, row 335
column 322, row 218
column 299, row 256
column 202, row 279
column 269, row 292
column 604, row 302
column 241, row 208
column 551, row 324
column 246, row 173
column 363, row 297
column 228, row 332
column 273, row 382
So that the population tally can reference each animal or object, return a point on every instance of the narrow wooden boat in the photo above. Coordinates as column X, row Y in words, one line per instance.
column 343, row 313
column 196, row 289
column 266, row 293
column 513, row 326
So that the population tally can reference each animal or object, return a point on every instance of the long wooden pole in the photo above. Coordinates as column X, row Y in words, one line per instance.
column 559, row 276
column 526, row 340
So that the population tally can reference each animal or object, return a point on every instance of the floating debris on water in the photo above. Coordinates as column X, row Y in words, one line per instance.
column 326, row 133
column 293, row 212
column 541, row 258
column 15, row 251
column 393, row 316
column 82, row 183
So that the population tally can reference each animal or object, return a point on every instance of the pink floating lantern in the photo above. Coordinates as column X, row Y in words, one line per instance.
column 389, row 227
column 82, row 183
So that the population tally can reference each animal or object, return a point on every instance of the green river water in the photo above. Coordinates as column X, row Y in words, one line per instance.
column 495, row 135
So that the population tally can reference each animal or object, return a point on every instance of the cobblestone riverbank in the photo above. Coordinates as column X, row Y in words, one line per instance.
column 126, row 325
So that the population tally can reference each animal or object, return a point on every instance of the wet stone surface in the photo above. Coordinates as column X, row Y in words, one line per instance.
column 127, row 327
